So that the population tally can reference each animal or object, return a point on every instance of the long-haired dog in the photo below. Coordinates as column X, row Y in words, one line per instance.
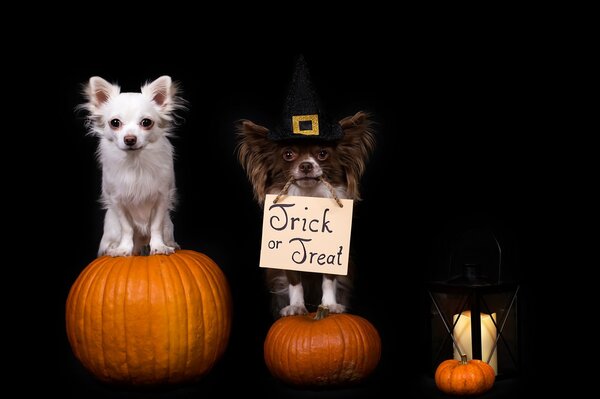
column 271, row 164
column 136, row 156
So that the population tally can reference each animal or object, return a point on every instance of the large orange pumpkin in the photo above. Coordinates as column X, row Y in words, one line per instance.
column 321, row 349
column 146, row 320
column 462, row 377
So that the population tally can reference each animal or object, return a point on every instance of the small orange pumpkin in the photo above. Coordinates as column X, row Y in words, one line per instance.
column 147, row 320
column 462, row 377
column 321, row 349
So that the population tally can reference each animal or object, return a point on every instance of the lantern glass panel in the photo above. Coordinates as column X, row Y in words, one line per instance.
column 454, row 308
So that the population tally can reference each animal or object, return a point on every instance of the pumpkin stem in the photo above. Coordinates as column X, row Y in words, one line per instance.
column 463, row 359
column 322, row 312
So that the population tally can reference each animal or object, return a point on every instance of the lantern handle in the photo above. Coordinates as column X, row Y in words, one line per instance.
column 496, row 241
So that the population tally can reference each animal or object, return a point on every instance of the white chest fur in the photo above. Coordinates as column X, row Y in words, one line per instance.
column 137, row 177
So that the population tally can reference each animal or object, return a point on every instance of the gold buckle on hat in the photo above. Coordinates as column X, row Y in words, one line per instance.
column 314, row 119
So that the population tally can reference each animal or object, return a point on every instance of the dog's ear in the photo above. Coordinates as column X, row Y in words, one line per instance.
column 164, row 93
column 248, row 128
column 161, row 91
column 98, row 91
column 254, row 153
column 355, row 147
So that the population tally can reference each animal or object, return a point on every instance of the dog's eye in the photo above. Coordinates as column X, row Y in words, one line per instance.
column 289, row 155
column 146, row 123
column 115, row 123
column 322, row 155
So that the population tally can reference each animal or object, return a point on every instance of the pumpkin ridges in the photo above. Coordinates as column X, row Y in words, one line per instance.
column 80, row 315
column 203, row 324
column 207, row 274
column 303, row 351
column 224, row 304
column 274, row 337
column 158, row 319
column 210, row 346
column 100, row 279
column 177, row 367
column 182, row 304
column 308, row 349
column 459, row 378
column 109, row 340
column 471, row 378
column 125, row 332
column 323, row 340
column 360, row 340
column 342, row 334
column 167, row 362
column 272, row 358
column 174, row 310
column 374, row 341
column 102, row 312
column 363, row 335
column 190, row 295
column 311, row 337
column 150, row 315
column 131, row 319
column 295, row 326
column 131, row 322
column 88, row 321
column 488, row 372
column 72, row 306
column 163, row 269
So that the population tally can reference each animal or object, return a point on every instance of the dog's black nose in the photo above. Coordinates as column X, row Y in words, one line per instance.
column 130, row 140
column 306, row 167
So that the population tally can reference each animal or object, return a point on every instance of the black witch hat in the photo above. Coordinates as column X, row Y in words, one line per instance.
column 302, row 116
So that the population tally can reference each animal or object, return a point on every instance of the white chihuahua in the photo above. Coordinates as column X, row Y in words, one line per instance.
column 136, row 156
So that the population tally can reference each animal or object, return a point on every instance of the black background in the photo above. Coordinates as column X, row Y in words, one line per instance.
column 458, row 146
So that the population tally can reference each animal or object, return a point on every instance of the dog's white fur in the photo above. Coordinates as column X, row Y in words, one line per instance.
column 136, row 156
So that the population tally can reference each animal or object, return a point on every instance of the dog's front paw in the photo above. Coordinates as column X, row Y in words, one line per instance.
column 335, row 308
column 173, row 244
column 161, row 250
column 119, row 251
column 292, row 310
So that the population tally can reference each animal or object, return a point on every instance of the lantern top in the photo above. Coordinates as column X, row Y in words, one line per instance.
column 474, row 259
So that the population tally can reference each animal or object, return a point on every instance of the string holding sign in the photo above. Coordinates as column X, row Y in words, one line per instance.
column 285, row 189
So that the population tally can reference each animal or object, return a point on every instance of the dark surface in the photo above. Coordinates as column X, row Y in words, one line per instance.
column 455, row 140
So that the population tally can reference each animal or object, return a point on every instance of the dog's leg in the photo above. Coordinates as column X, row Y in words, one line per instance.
column 296, row 293
column 125, row 247
column 329, row 288
column 168, row 232
column 157, row 243
column 112, row 233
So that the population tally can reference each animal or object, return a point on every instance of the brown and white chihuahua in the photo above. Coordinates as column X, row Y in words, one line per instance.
column 270, row 164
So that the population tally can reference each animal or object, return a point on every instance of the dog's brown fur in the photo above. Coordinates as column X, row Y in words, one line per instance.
column 262, row 160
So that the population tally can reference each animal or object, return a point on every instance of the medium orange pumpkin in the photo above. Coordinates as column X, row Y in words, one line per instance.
column 146, row 320
column 462, row 377
column 321, row 349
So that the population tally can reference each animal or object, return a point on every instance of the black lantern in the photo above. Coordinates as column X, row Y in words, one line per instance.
column 474, row 305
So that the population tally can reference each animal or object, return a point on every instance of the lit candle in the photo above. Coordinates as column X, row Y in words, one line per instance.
column 462, row 334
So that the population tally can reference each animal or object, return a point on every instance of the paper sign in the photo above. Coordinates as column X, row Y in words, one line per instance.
column 306, row 234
